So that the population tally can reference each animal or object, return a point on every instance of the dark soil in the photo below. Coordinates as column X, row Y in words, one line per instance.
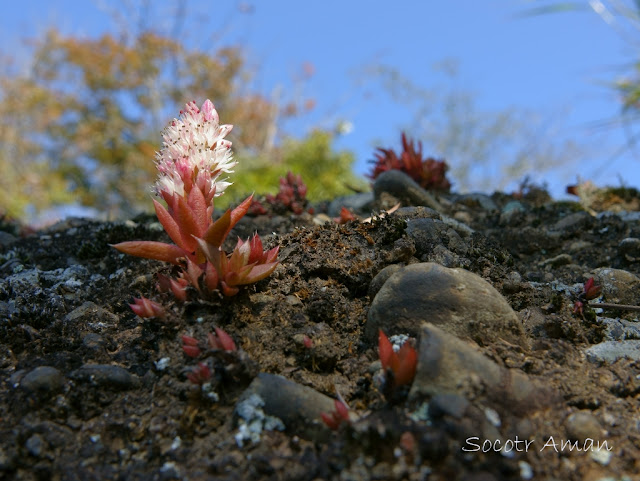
column 64, row 295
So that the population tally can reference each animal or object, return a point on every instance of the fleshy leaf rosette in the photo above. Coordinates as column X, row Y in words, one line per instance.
column 193, row 157
column 429, row 173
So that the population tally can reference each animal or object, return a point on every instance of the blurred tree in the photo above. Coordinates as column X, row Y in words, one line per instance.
column 623, row 16
column 27, row 178
column 83, row 123
column 97, row 106
column 326, row 173
column 486, row 150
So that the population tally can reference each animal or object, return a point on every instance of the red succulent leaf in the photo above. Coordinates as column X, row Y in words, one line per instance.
column 189, row 226
column 339, row 415
column 257, row 208
column 591, row 291
column 190, row 346
column 177, row 287
column 259, row 272
column 271, row 255
column 429, row 173
column 385, row 350
column 144, row 307
column 152, row 250
column 257, row 252
column 407, row 364
column 169, row 224
column 210, row 277
column 218, row 231
column 211, row 253
column 345, row 216
column 198, row 205
column 240, row 211
column 342, row 410
column 189, row 340
column 227, row 290
column 200, row 374
column 401, row 365
column 221, row 340
column 330, row 421
column 193, row 274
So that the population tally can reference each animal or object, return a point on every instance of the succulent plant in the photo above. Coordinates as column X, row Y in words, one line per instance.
column 429, row 173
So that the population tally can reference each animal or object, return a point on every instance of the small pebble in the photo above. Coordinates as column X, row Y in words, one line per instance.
column 105, row 375
column 582, row 425
column 43, row 379
column 34, row 445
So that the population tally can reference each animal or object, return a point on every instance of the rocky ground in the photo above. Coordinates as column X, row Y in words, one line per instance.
column 486, row 286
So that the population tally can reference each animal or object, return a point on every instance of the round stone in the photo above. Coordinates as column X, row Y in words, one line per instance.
column 455, row 300
column 43, row 380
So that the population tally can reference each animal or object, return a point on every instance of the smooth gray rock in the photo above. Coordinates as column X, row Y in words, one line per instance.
column 582, row 425
column 357, row 202
column 92, row 314
column 417, row 212
column 460, row 227
column 43, row 380
column 574, row 222
column 483, row 200
column 448, row 403
column 448, row 365
column 629, row 248
column 105, row 375
column 35, row 445
column 7, row 239
column 611, row 351
column 403, row 188
column 620, row 329
column 455, row 300
column 299, row 407
column 511, row 212
column 381, row 277
column 618, row 286
column 427, row 233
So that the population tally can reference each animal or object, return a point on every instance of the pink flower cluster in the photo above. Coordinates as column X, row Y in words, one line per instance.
column 193, row 157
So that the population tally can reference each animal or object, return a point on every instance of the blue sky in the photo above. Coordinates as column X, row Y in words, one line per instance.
column 557, row 68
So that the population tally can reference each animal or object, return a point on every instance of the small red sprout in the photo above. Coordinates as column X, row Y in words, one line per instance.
column 429, row 173
column 218, row 341
column 190, row 346
column 221, row 340
column 291, row 197
column 339, row 415
column 178, row 287
column 307, row 342
column 144, row 307
column 399, row 367
column 200, row 374
column 345, row 216
column 589, row 292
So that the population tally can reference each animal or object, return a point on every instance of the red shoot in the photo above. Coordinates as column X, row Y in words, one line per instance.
column 146, row 308
column 339, row 415
column 399, row 366
column 221, row 340
column 200, row 374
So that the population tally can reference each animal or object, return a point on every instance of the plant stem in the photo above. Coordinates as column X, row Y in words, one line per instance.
column 620, row 307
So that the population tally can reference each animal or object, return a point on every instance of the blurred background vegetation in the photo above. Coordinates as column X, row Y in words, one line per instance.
column 81, row 124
